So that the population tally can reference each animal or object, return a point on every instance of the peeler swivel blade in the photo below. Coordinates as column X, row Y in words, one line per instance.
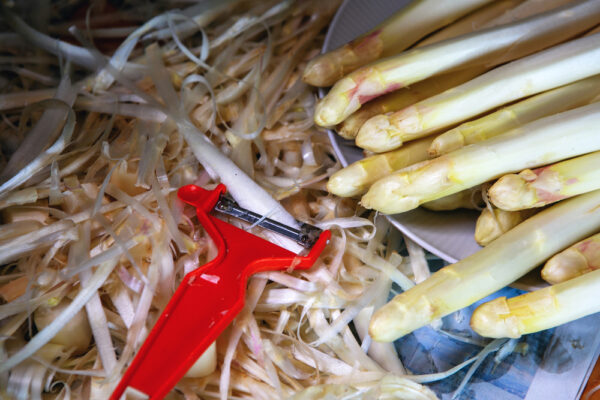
column 209, row 298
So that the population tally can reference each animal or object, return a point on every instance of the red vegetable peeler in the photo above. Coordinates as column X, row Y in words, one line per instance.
column 211, row 296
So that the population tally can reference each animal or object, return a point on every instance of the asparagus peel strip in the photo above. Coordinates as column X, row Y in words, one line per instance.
column 578, row 259
column 538, row 310
column 503, row 261
column 394, row 35
column 538, row 143
column 545, row 185
column 557, row 100
column 487, row 47
column 356, row 178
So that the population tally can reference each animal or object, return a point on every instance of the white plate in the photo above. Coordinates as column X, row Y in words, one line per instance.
column 448, row 235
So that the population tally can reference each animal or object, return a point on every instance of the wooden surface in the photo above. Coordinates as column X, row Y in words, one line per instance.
column 593, row 382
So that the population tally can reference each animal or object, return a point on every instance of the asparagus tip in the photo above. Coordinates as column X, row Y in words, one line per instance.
column 491, row 224
column 511, row 193
column 494, row 320
column 349, row 128
column 343, row 183
column 382, row 197
column 321, row 72
column 338, row 104
column 378, row 135
column 564, row 266
column 396, row 319
column 445, row 143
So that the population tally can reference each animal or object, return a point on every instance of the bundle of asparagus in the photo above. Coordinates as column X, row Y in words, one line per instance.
column 510, row 93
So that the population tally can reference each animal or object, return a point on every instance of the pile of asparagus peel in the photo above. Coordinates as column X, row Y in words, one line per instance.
column 491, row 105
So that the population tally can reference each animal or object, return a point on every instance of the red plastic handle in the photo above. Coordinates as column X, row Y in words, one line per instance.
column 207, row 300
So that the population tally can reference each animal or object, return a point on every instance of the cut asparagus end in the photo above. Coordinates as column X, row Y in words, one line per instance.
column 565, row 265
column 511, row 192
column 378, row 135
column 446, row 142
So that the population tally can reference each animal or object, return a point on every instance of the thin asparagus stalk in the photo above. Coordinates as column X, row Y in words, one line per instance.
column 392, row 36
column 474, row 21
column 542, row 186
column 356, row 178
column 551, row 102
column 538, row 310
column 405, row 97
column 491, row 46
column 579, row 259
column 495, row 222
column 538, row 143
column 503, row 261
column 470, row 199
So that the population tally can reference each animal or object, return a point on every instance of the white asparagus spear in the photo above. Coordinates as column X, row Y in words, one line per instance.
column 392, row 36
column 549, row 69
column 502, row 262
column 557, row 100
column 548, row 184
column 578, row 259
column 538, row 310
column 492, row 46
column 538, row 143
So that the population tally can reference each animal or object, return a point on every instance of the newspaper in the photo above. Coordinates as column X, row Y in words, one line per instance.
column 552, row 364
